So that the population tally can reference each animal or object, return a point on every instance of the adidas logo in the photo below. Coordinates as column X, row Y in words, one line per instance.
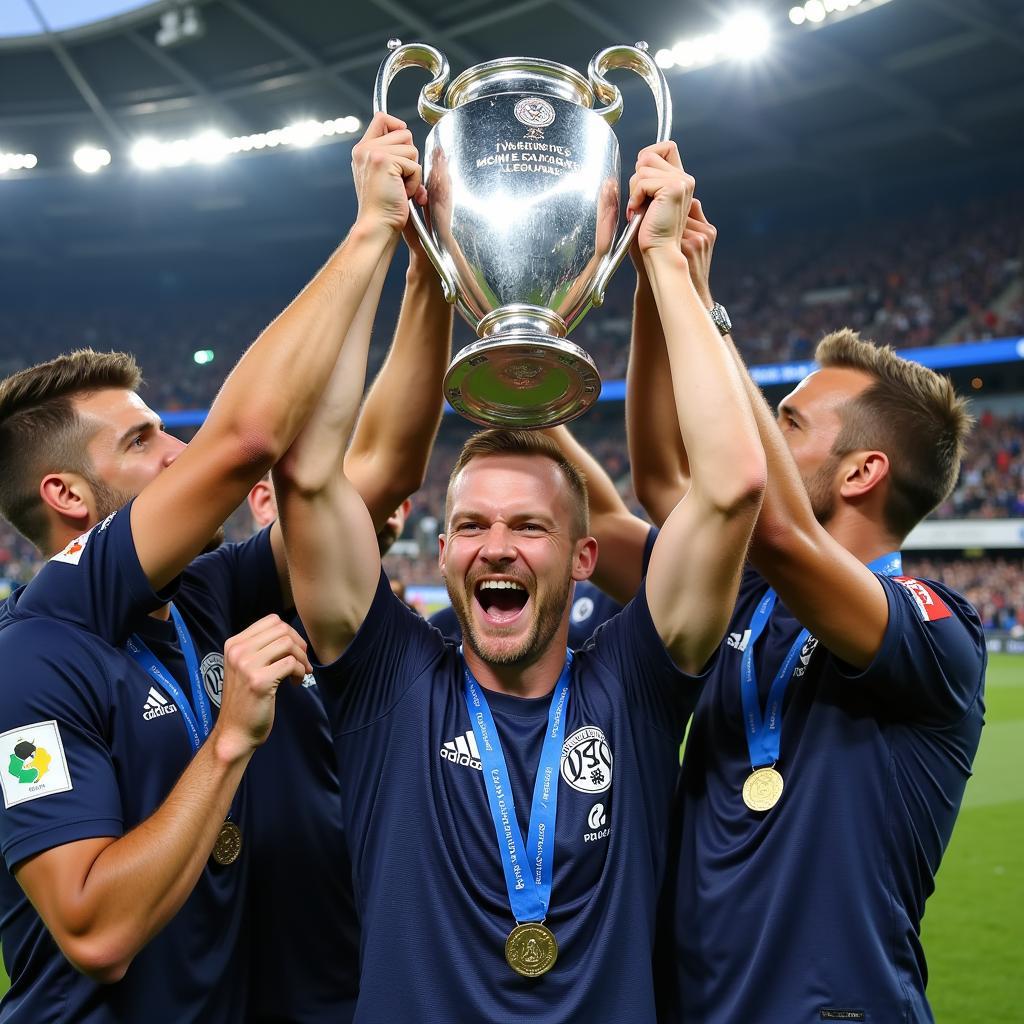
column 738, row 641
column 157, row 705
column 463, row 750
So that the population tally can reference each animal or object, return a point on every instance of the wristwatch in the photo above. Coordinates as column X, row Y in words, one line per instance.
column 721, row 319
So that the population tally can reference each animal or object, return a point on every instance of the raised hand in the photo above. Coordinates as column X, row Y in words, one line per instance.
column 698, row 243
column 386, row 172
column 667, row 189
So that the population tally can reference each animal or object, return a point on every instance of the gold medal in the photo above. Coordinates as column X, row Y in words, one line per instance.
column 762, row 789
column 228, row 845
column 531, row 949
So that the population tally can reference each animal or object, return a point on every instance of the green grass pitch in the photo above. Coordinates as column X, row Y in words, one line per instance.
column 974, row 924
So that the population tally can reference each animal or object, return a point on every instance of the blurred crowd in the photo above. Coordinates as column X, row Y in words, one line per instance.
column 908, row 281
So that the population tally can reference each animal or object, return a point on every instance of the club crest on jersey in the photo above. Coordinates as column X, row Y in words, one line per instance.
column 805, row 656
column 212, row 671
column 33, row 763
column 587, row 760
column 582, row 609
column 930, row 606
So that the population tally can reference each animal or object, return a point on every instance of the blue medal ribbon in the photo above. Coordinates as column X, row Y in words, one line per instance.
column 199, row 729
column 764, row 731
column 529, row 867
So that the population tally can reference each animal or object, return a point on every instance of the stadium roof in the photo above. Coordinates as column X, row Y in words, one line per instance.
column 908, row 83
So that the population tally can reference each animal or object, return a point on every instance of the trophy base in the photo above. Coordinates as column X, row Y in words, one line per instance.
column 525, row 379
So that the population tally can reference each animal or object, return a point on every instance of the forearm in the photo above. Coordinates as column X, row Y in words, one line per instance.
column 786, row 510
column 139, row 882
column 394, row 435
column 316, row 455
column 713, row 411
column 660, row 469
column 272, row 390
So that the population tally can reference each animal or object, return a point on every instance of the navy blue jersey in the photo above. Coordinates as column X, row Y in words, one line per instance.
column 429, row 882
column 90, row 746
column 591, row 607
column 305, row 935
column 811, row 911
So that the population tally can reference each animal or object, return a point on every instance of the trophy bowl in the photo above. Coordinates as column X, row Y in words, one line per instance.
column 522, row 174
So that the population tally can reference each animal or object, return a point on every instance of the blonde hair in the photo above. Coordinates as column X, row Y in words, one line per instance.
column 525, row 442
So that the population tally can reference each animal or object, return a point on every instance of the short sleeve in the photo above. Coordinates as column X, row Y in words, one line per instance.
column 629, row 645
column 931, row 664
column 58, row 780
column 97, row 583
column 394, row 647
column 241, row 579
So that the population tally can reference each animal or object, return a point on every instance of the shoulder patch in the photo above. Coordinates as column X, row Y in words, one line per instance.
column 32, row 763
column 72, row 554
column 930, row 606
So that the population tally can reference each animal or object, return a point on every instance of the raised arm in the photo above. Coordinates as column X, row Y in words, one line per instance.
column 696, row 562
column 329, row 536
column 660, row 468
column 829, row 590
column 621, row 536
column 271, row 392
column 387, row 459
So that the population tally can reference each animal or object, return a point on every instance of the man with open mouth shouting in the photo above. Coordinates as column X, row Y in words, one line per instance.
column 507, row 801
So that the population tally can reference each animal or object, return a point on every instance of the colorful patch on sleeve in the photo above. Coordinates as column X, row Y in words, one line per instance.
column 930, row 606
column 72, row 554
column 32, row 763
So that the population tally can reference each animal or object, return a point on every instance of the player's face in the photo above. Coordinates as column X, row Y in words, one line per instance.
column 128, row 448
column 810, row 420
column 508, row 555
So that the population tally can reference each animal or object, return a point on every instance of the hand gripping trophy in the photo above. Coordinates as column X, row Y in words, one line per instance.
column 522, row 173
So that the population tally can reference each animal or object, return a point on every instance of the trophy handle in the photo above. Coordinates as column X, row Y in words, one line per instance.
column 419, row 55
column 635, row 58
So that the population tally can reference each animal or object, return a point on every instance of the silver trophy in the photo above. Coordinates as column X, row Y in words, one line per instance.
column 522, row 171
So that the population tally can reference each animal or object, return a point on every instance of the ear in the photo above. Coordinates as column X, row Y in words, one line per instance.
column 406, row 508
column 863, row 472
column 584, row 559
column 262, row 503
column 68, row 495
column 441, row 552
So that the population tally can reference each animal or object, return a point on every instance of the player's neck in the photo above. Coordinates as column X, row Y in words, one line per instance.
column 861, row 536
column 534, row 680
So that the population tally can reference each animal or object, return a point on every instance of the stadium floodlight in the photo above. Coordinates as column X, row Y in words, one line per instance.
column 746, row 35
column 203, row 356
column 90, row 159
column 17, row 162
column 209, row 147
column 815, row 13
column 212, row 146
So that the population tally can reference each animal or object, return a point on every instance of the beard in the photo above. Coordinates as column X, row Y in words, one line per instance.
column 546, row 620
column 819, row 487
column 110, row 499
